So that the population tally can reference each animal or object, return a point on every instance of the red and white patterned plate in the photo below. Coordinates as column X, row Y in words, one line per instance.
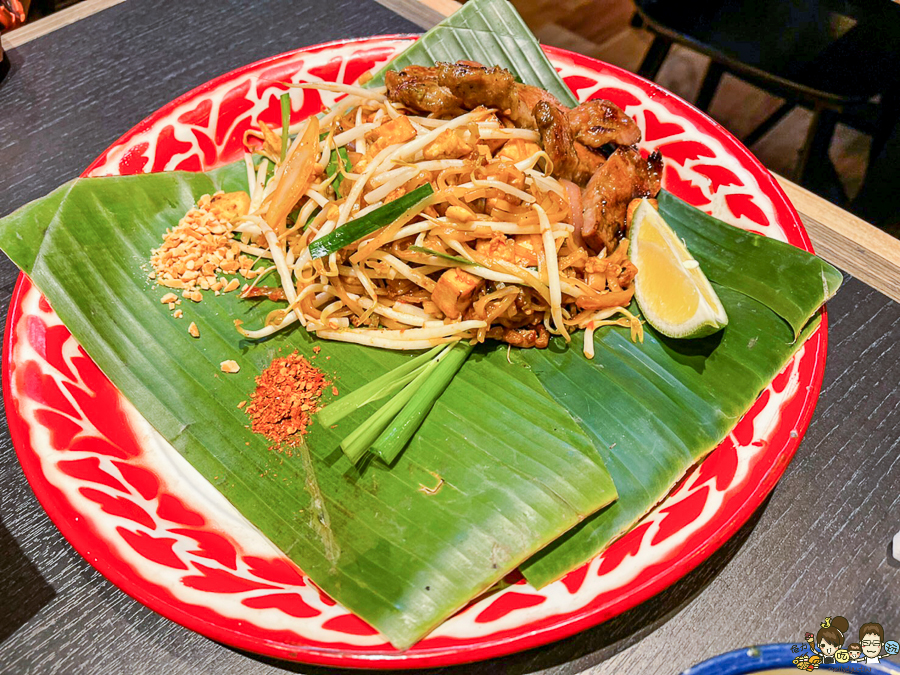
column 147, row 521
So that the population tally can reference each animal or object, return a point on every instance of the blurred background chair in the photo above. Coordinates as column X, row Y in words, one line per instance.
column 839, row 59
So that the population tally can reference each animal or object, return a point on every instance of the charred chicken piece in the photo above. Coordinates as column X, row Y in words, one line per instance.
column 527, row 98
column 625, row 176
column 450, row 88
column 556, row 139
column 598, row 122
column 571, row 160
column 417, row 88
column 493, row 87
column 476, row 85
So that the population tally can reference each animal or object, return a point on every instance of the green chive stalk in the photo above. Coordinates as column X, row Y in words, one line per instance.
column 377, row 389
column 356, row 444
column 369, row 223
column 339, row 158
column 445, row 256
column 407, row 421
column 285, row 123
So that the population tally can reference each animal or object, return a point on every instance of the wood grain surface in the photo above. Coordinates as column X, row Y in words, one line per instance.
column 55, row 21
column 844, row 240
column 424, row 13
column 818, row 547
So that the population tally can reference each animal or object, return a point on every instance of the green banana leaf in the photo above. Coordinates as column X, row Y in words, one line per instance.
column 489, row 32
column 692, row 392
column 514, row 469
column 793, row 284
column 655, row 409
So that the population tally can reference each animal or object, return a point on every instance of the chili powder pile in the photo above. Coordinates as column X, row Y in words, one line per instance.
column 287, row 394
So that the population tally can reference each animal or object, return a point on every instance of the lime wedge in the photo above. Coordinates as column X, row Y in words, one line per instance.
column 674, row 295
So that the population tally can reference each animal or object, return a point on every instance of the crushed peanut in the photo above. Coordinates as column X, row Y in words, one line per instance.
column 201, row 247
column 177, row 314
column 194, row 331
column 229, row 366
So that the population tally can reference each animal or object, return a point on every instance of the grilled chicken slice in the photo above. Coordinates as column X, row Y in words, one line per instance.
column 625, row 176
column 571, row 160
column 598, row 122
column 527, row 97
column 476, row 85
column 450, row 88
column 417, row 88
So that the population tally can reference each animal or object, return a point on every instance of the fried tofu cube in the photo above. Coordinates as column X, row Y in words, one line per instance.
column 399, row 130
column 229, row 205
column 517, row 150
column 448, row 145
column 358, row 161
column 492, row 144
column 453, row 292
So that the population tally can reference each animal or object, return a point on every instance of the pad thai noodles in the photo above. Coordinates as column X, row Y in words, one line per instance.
column 521, row 233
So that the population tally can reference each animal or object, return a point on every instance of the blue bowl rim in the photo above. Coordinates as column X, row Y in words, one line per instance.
column 761, row 657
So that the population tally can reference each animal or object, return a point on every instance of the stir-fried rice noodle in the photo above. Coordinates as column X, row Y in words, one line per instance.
column 498, row 250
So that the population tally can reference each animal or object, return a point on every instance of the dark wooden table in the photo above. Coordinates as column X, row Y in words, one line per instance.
column 819, row 546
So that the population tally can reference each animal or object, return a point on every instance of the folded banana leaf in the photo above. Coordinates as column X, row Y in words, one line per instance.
column 793, row 284
column 513, row 470
column 655, row 409
column 691, row 392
